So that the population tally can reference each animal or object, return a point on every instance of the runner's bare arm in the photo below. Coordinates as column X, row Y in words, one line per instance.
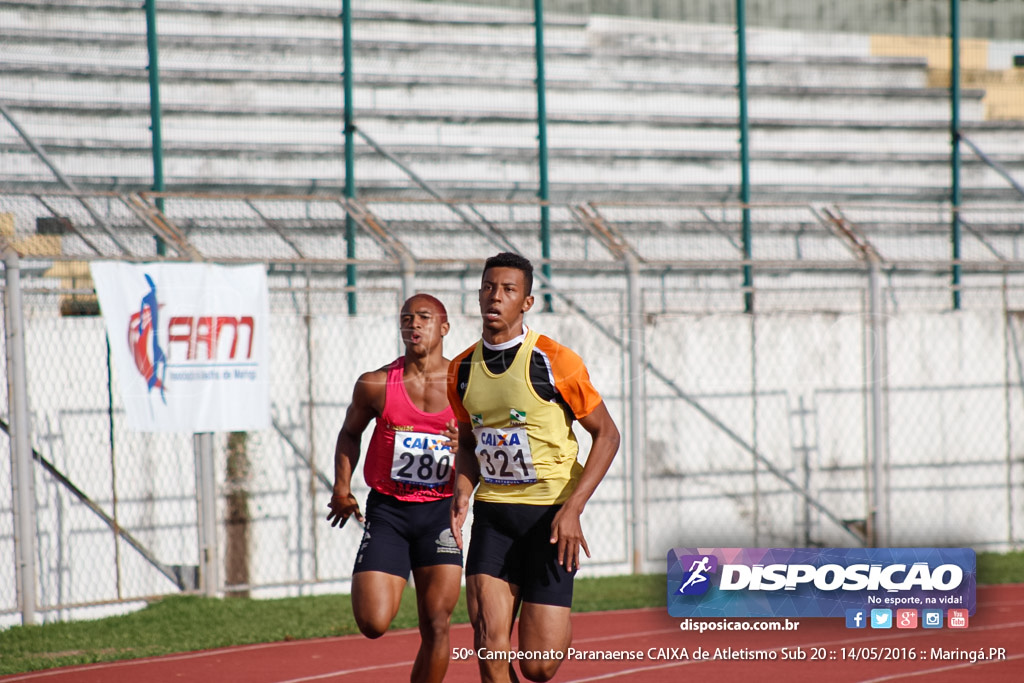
column 566, row 530
column 367, row 403
column 467, row 474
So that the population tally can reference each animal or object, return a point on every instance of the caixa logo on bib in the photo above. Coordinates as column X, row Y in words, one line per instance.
column 817, row 582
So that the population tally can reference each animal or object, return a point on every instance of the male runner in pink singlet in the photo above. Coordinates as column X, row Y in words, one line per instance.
column 409, row 466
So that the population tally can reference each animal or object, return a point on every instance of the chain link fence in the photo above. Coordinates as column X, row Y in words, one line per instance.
column 752, row 429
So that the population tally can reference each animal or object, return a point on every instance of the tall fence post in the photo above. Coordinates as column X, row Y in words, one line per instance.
column 544, row 191
column 954, row 131
column 878, row 520
column 350, row 150
column 155, row 111
column 206, row 492
column 744, row 126
column 23, row 495
column 637, row 420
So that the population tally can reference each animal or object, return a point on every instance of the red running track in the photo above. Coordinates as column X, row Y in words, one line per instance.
column 998, row 623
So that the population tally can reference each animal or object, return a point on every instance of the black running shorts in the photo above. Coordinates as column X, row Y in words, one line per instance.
column 401, row 536
column 513, row 542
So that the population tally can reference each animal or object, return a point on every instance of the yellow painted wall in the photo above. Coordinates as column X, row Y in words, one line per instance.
column 72, row 274
column 33, row 245
column 1004, row 89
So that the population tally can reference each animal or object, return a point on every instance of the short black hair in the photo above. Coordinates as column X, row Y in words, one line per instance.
column 507, row 259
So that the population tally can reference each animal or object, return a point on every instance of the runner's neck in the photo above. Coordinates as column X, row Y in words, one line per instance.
column 510, row 343
column 425, row 366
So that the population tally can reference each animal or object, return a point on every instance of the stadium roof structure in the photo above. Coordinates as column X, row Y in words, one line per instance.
column 309, row 230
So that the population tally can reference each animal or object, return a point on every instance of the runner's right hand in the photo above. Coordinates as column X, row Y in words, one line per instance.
column 457, row 516
column 343, row 506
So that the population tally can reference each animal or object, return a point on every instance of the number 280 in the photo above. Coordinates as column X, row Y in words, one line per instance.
column 428, row 468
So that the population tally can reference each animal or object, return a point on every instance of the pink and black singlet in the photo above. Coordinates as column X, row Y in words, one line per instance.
column 408, row 457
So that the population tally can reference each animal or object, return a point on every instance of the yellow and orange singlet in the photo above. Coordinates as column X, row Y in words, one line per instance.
column 521, row 409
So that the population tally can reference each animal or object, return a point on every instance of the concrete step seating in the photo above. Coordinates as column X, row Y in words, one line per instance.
column 251, row 95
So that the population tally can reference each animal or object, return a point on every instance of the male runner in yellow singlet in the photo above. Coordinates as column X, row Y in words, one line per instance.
column 409, row 470
column 516, row 394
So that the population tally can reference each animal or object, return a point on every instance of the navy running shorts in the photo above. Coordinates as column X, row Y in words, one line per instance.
column 401, row 536
column 512, row 542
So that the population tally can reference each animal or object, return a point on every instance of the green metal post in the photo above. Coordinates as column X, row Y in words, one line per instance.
column 350, row 153
column 544, row 192
column 954, row 130
column 744, row 123
column 156, row 120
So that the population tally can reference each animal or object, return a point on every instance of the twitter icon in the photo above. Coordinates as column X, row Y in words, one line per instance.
column 881, row 618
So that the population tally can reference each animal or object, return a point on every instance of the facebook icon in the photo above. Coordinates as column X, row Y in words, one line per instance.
column 856, row 618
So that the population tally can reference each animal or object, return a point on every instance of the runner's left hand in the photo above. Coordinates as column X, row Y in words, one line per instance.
column 451, row 432
column 567, row 534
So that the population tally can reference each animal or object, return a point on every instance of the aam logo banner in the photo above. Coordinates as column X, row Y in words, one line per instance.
column 817, row 582
column 190, row 344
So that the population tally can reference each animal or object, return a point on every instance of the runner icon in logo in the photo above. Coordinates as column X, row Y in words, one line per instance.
column 698, row 571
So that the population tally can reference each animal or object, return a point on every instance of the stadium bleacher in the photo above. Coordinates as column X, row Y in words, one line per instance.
column 638, row 110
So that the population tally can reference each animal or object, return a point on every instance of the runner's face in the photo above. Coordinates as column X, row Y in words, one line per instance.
column 422, row 325
column 503, row 302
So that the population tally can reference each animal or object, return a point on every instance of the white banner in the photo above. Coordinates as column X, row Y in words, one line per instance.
column 190, row 344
